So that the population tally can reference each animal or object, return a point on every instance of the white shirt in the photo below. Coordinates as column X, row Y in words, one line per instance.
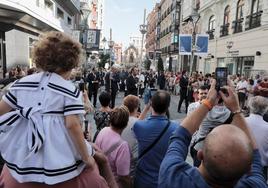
column 259, row 128
column 35, row 133
column 242, row 85
column 192, row 107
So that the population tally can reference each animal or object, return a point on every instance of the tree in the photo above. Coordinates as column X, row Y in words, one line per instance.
column 160, row 65
column 104, row 58
column 147, row 64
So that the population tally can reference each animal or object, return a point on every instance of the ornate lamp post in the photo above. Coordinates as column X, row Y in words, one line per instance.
column 143, row 30
column 84, row 28
column 194, row 18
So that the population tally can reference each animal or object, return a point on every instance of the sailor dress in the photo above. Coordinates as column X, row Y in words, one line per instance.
column 34, row 140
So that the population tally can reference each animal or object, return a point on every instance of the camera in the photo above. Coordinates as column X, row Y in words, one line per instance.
column 148, row 94
column 221, row 74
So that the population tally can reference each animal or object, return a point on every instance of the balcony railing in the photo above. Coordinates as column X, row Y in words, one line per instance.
column 237, row 25
column 211, row 34
column 253, row 20
column 224, row 30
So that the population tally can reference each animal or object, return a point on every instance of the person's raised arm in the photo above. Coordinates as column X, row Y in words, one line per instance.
column 193, row 120
column 146, row 109
column 77, row 136
column 232, row 103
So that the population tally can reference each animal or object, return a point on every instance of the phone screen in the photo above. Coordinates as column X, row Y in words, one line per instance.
column 221, row 77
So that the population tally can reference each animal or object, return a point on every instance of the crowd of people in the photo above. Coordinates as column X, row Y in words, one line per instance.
column 45, row 141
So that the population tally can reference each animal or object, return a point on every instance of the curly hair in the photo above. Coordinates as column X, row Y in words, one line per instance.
column 56, row 52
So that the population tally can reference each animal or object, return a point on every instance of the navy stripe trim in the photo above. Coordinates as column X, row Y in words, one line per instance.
column 46, row 172
column 10, row 100
column 12, row 96
column 27, row 83
column 33, row 86
column 74, row 93
column 9, row 119
column 71, row 106
column 54, row 112
column 74, row 109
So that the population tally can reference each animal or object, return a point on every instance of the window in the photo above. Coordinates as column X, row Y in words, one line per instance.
column 48, row 5
column 240, row 9
column 69, row 20
column 211, row 23
column 226, row 15
column 255, row 6
column 60, row 13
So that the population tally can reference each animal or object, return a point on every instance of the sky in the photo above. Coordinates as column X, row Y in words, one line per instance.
column 124, row 17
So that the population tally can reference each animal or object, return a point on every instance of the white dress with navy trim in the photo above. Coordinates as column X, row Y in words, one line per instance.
column 33, row 138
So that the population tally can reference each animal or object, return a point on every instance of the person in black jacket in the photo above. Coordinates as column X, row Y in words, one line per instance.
column 162, row 81
column 183, row 91
column 93, row 79
column 131, row 82
column 111, row 83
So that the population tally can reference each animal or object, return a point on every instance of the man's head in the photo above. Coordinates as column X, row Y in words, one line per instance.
column 160, row 102
column 134, row 71
column 258, row 105
column 202, row 93
column 265, row 79
column 226, row 156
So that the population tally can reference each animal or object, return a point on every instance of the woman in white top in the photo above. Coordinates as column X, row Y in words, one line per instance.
column 41, row 138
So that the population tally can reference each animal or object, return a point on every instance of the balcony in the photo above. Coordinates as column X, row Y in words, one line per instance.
column 211, row 34
column 237, row 25
column 224, row 30
column 253, row 20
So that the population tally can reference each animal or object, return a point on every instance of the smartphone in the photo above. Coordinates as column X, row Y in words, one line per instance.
column 82, row 86
column 221, row 74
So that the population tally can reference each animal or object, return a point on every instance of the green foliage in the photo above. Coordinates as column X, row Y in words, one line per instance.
column 104, row 58
column 160, row 64
column 147, row 64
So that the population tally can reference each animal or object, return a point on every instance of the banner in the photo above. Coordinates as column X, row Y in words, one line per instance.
column 201, row 45
column 185, row 44
column 93, row 39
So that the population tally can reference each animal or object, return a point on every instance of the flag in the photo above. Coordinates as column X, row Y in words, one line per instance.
column 201, row 45
column 185, row 44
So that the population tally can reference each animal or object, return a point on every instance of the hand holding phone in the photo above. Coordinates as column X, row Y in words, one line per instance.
column 221, row 74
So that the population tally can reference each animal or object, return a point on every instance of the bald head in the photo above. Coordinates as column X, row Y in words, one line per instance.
column 227, row 154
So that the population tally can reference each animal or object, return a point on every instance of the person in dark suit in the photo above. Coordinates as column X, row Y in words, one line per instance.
column 132, row 82
column 93, row 79
column 162, row 81
column 111, row 83
column 183, row 91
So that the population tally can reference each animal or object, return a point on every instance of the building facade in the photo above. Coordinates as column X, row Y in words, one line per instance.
column 167, row 31
column 238, row 33
column 21, row 22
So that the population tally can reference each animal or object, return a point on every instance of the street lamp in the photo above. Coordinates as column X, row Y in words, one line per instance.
column 84, row 28
column 143, row 30
column 194, row 18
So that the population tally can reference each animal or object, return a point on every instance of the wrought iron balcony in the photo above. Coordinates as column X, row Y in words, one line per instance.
column 211, row 34
column 253, row 20
column 224, row 30
column 237, row 25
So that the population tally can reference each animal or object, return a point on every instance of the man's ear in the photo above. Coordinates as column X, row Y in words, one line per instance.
column 200, row 155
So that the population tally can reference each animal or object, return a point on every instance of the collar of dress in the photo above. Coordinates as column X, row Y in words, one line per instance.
column 55, row 83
